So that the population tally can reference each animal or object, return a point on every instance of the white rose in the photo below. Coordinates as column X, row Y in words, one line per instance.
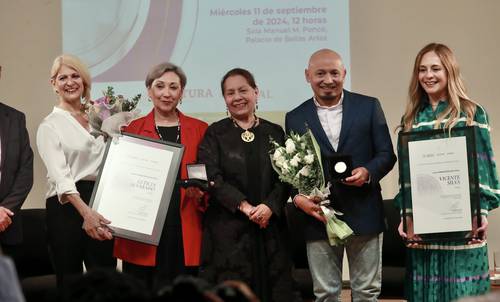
column 285, row 167
column 277, row 153
column 290, row 146
column 279, row 161
column 294, row 162
column 309, row 159
column 304, row 171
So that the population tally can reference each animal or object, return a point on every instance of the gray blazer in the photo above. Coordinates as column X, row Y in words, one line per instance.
column 17, row 169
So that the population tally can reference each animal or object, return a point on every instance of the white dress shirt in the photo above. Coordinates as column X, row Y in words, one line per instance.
column 70, row 153
column 331, row 120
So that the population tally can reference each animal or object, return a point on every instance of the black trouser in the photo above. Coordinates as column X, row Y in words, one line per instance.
column 69, row 245
column 169, row 261
column 144, row 273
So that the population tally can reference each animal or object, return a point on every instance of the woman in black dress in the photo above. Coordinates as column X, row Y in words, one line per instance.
column 244, row 225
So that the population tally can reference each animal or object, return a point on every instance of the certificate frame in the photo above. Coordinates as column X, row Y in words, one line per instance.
column 147, row 186
column 406, row 176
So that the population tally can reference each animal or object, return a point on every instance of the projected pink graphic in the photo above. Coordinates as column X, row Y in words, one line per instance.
column 162, row 26
column 121, row 39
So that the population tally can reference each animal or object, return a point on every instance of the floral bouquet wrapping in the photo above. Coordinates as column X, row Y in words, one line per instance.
column 109, row 113
column 299, row 164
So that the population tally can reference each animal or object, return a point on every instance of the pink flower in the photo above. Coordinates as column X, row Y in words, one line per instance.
column 102, row 107
column 101, row 100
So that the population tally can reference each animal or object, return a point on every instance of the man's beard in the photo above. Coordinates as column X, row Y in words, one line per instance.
column 329, row 97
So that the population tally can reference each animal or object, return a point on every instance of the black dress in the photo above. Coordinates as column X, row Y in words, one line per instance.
column 233, row 247
column 170, row 252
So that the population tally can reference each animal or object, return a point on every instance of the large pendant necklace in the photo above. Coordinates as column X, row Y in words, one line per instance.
column 247, row 136
column 178, row 131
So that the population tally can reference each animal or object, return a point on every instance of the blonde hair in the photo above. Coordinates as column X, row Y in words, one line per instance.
column 458, row 101
column 75, row 63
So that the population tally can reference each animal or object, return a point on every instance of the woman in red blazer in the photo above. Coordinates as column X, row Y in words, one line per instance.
column 178, row 251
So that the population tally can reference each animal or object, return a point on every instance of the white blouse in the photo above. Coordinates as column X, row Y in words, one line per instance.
column 70, row 153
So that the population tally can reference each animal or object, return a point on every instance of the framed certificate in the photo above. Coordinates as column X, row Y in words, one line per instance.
column 439, row 184
column 135, row 184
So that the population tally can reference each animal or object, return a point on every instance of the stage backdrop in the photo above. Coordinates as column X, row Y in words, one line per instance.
column 273, row 39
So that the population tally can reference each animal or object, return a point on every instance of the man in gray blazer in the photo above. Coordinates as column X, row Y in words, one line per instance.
column 16, row 173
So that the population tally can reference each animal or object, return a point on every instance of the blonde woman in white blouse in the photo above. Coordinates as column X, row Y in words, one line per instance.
column 76, row 233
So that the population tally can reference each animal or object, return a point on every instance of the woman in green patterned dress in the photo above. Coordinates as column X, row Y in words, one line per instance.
column 444, row 271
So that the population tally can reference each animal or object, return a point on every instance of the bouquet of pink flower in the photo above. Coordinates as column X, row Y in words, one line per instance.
column 109, row 113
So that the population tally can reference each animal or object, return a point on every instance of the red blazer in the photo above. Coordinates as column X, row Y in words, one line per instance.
column 192, row 131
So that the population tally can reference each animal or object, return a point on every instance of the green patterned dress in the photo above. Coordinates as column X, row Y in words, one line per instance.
column 444, row 271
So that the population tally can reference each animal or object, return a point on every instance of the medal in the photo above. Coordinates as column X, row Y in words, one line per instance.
column 247, row 136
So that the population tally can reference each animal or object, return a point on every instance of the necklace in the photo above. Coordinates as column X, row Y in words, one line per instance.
column 247, row 136
column 75, row 113
column 80, row 116
column 178, row 131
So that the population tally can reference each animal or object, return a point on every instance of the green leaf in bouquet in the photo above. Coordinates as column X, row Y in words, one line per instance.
column 317, row 152
column 110, row 94
column 131, row 105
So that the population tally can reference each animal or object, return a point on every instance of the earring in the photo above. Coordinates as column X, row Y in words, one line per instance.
column 256, row 106
column 180, row 101
column 227, row 112
column 149, row 99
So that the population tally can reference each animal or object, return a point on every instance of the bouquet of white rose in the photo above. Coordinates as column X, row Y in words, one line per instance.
column 298, row 163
